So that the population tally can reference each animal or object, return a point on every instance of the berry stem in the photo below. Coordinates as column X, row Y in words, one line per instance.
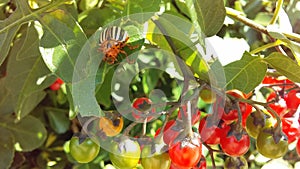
column 189, row 119
column 144, row 127
column 274, row 113
column 129, row 128
column 160, row 136
column 211, row 153
column 237, row 106
column 86, row 124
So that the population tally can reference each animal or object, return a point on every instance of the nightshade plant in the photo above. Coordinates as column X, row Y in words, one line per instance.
column 194, row 84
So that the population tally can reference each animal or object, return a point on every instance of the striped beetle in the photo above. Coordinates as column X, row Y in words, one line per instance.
column 111, row 42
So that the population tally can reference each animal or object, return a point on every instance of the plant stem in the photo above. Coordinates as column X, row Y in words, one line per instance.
column 129, row 128
column 293, row 36
column 86, row 124
column 211, row 153
column 237, row 105
column 276, row 12
column 274, row 113
column 160, row 136
column 251, row 101
column 267, row 46
column 144, row 127
column 189, row 119
column 181, row 64
column 238, row 16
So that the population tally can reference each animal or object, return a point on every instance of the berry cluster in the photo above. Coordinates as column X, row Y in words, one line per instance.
column 225, row 129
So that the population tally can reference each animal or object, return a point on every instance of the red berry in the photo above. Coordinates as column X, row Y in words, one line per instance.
column 187, row 152
column 59, row 81
column 55, row 86
column 169, row 134
column 234, row 147
column 209, row 134
column 142, row 105
column 245, row 108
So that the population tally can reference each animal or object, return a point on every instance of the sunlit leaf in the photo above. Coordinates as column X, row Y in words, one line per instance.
column 277, row 33
column 27, row 76
column 179, row 35
column 87, row 4
column 209, row 14
column 142, row 8
column 10, row 26
column 61, row 42
column 245, row 74
column 290, row 69
column 90, row 20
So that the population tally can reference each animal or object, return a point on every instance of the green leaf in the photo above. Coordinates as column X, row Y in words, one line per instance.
column 29, row 132
column 10, row 26
column 217, row 74
column 61, row 42
column 7, row 149
column 144, row 9
column 23, row 14
column 150, row 79
column 277, row 33
column 179, row 31
column 182, row 7
column 27, row 75
column 72, row 110
column 210, row 15
column 245, row 74
column 90, row 20
column 87, row 4
column 284, row 65
column 58, row 120
column 103, row 91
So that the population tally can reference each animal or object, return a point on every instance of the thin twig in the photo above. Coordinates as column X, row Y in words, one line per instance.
column 129, row 128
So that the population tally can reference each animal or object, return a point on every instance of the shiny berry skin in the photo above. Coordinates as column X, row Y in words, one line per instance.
column 187, row 152
column 266, row 145
column 234, row 147
column 125, row 153
column 141, row 106
column 83, row 152
column 56, row 85
column 209, row 134
column 232, row 115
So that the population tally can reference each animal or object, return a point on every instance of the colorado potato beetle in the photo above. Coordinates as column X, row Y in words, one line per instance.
column 111, row 42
